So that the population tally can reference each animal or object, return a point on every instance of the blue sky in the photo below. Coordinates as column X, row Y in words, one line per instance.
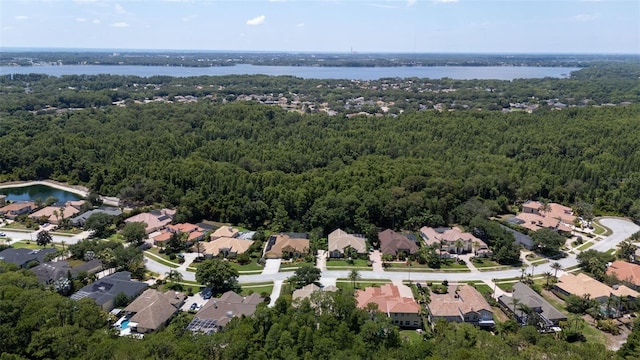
column 426, row 26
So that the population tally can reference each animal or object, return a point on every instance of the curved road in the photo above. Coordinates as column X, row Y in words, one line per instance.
column 621, row 230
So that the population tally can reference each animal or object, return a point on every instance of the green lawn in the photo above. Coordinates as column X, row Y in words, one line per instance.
column 411, row 336
column 539, row 262
column 73, row 231
column 258, row 288
column 156, row 251
column 17, row 226
column 599, row 229
column 252, row 266
column 31, row 245
column 358, row 263
column 486, row 263
column 160, row 259
column 585, row 246
column 345, row 284
column 117, row 237
column 508, row 287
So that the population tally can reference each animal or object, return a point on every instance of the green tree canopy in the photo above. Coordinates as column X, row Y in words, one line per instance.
column 217, row 274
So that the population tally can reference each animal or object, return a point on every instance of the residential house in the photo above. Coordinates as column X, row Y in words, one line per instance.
column 525, row 296
column 339, row 240
column 49, row 272
column 626, row 272
column 224, row 231
column 81, row 219
column 25, row 257
column 536, row 215
column 582, row 285
column 521, row 239
column 217, row 312
column 195, row 233
column 153, row 309
column 403, row 311
column 392, row 243
column 286, row 246
column 461, row 304
column 54, row 214
column 3, row 200
column 228, row 247
column 155, row 220
column 16, row 209
column 105, row 290
column 306, row 291
column 454, row 240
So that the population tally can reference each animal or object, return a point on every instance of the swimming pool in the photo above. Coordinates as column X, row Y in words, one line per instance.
column 124, row 324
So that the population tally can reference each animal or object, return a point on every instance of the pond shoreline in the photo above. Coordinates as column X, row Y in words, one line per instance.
column 80, row 190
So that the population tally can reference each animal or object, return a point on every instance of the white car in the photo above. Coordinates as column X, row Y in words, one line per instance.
column 2, row 234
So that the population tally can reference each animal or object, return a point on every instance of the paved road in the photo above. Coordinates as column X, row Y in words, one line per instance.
column 32, row 236
column 622, row 229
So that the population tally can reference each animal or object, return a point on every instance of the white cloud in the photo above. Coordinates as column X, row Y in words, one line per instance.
column 411, row 2
column 445, row 1
column 81, row 20
column 300, row 25
column 585, row 17
column 22, row 17
column 256, row 20
column 96, row 21
column 120, row 25
column 120, row 9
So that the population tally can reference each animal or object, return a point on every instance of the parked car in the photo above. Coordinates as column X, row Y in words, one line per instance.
column 2, row 234
column 206, row 294
column 193, row 307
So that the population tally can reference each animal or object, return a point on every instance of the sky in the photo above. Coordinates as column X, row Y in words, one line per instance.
column 401, row 26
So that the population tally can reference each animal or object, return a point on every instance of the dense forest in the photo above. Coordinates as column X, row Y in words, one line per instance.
column 261, row 166
column 41, row 324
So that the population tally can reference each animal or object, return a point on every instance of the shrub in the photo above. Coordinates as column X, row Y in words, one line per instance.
column 609, row 326
column 172, row 256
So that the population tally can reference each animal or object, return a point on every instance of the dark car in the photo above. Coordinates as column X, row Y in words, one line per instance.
column 193, row 307
column 206, row 294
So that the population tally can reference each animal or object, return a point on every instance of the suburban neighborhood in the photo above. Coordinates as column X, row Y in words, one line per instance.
column 391, row 274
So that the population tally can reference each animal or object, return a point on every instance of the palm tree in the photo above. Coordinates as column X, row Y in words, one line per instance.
column 459, row 244
column 174, row 276
column 556, row 266
column 515, row 302
column 354, row 276
column 523, row 271
column 547, row 276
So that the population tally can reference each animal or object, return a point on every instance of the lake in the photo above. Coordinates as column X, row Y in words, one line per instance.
column 42, row 192
column 306, row 72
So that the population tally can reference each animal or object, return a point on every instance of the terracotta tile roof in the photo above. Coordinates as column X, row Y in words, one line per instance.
column 625, row 271
column 338, row 240
column 458, row 303
column 387, row 298
column 183, row 228
column 67, row 213
column 155, row 221
column 557, row 217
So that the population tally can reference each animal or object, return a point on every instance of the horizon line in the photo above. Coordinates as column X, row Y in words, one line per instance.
column 97, row 50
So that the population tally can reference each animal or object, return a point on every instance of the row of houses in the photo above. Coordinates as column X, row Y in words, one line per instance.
column 55, row 214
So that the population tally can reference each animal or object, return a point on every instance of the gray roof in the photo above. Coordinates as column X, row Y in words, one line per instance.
column 22, row 256
column 90, row 267
column 521, row 238
column 218, row 312
column 51, row 271
column 107, row 288
column 81, row 219
column 533, row 300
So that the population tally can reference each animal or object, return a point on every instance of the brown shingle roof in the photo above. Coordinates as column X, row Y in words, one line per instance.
column 391, row 242
column 153, row 308
column 284, row 242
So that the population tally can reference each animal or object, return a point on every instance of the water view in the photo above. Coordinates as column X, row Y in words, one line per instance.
column 42, row 192
column 306, row 72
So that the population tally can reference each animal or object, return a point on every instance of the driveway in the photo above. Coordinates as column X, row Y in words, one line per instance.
column 195, row 298
column 376, row 261
column 271, row 267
